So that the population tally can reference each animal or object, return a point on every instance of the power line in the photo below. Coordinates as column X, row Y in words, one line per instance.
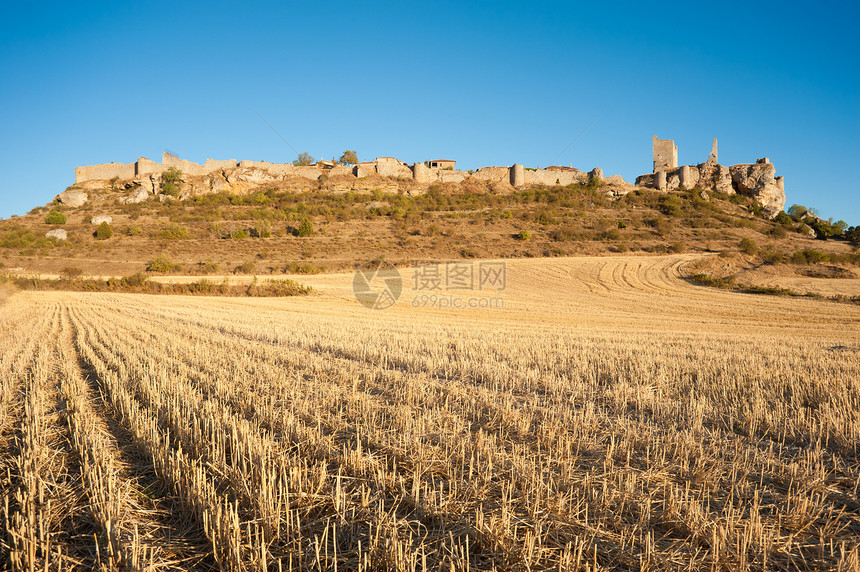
column 575, row 139
column 276, row 133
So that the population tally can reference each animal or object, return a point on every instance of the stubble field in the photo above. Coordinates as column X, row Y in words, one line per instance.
column 609, row 416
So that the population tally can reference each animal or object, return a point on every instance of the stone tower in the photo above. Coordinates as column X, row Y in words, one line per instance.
column 665, row 154
column 518, row 175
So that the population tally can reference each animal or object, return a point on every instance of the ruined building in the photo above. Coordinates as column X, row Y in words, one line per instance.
column 144, row 175
column 757, row 180
column 143, row 178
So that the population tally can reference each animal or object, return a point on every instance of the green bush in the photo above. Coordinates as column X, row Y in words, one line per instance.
column 174, row 231
column 825, row 229
column 853, row 235
column 103, row 231
column 747, row 246
column 677, row 247
column 797, row 212
column 263, row 229
column 306, row 228
column 523, row 235
column 55, row 217
column 784, row 219
column 162, row 264
column 778, row 231
column 808, row 256
column 670, row 205
column 133, row 231
column 170, row 180
column 303, row 268
column 713, row 281
column 239, row 233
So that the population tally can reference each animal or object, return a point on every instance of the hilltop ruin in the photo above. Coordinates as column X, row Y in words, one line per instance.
column 757, row 180
column 261, row 171
column 144, row 178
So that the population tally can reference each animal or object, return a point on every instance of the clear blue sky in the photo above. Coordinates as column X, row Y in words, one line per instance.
column 485, row 84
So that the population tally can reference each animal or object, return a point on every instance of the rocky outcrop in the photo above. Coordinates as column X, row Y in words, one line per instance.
column 756, row 180
column 715, row 177
column 138, row 195
column 759, row 182
column 57, row 234
column 99, row 219
column 806, row 230
column 73, row 198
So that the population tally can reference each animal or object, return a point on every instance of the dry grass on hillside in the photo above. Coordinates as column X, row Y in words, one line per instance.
column 187, row 433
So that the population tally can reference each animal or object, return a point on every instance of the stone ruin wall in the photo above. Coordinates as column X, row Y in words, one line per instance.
column 145, row 172
column 104, row 172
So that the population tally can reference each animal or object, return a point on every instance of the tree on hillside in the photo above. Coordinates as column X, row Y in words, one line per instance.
column 304, row 160
column 853, row 235
column 348, row 158
column 797, row 211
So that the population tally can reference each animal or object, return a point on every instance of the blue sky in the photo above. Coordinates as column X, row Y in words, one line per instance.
column 485, row 84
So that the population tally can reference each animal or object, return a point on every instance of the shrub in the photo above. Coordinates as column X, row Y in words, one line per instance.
column 808, row 256
column 783, row 218
column 306, row 228
column 670, row 205
column 523, row 235
column 162, row 264
column 677, row 247
column 245, row 268
column 303, row 268
column 708, row 280
column 778, row 231
column 263, row 229
column 773, row 257
column 70, row 272
column 133, row 231
column 103, row 232
column 747, row 246
column 55, row 217
column 174, row 231
column 171, row 175
column 136, row 280
column 853, row 235
column 239, row 233
column 565, row 233
column 825, row 229
column 208, row 266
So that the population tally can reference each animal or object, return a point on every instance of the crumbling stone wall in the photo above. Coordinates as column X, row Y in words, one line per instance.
column 104, row 172
column 214, row 176
column 545, row 177
column 391, row 167
column 494, row 174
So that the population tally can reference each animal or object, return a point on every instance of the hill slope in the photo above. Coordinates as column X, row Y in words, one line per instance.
column 258, row 232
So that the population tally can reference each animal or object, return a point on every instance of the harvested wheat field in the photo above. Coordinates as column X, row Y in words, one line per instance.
column 609, row 416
